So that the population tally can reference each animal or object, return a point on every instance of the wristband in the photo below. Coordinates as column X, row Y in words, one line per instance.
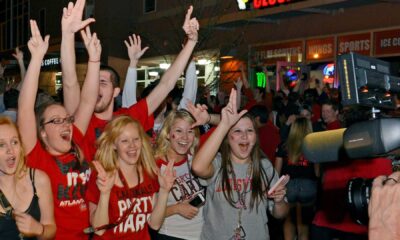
column 94, row 61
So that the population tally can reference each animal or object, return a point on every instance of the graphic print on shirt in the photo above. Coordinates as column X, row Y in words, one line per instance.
column 140, row 212
column 71, row 191
column 238, row 186
column 185, row 187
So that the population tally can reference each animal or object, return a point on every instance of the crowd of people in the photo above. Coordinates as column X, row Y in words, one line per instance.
column 171, row 163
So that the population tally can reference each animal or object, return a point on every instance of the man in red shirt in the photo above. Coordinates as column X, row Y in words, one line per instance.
column 330, row 114
column 109, row 84
column 268, row 134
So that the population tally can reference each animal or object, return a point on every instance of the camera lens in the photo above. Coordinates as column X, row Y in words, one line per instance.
column 358, row 195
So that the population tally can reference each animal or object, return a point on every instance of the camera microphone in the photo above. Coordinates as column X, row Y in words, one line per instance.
column 326, row 146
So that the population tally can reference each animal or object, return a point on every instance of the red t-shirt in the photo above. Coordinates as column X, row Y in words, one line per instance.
column 138, row 111
column 333, row 125
column 334, row 212
column 135, row 226
column 269, row 140
column 68, row 186
column 316, row 111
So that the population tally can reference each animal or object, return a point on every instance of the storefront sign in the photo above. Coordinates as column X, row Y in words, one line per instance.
column 270, row 54
column 387, row 42
column 322, row 48
column 50, row 62
column 257, row 4
column 359, row 43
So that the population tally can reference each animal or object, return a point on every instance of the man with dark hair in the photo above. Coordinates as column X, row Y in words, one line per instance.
column 11, row 104
column 268, row 134
column 109, row 83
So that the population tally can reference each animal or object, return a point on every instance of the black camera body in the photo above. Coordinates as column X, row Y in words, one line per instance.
column 367, row 81
column 364, row 81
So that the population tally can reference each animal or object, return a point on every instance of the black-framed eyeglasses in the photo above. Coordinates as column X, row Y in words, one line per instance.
column 59, row 121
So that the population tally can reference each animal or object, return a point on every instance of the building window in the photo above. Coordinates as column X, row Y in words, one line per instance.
column 42, row 21
column 149, row 6
column 14, row 23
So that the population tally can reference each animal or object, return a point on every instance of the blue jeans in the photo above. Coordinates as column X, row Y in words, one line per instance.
column 302, row 190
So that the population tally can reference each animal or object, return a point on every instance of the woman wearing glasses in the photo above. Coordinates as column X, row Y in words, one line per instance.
column 26, row 202
column 53, row 140
column 238, row 180
column 177, row 142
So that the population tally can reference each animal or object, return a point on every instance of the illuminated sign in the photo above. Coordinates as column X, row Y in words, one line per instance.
column 50, row 62
column 261, row 79
column 257, row 4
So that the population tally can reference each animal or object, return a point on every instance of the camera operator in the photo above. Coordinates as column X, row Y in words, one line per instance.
column 384, row 208
column 333, row 219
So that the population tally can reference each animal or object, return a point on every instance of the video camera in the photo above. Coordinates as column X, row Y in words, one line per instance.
column 364, row 81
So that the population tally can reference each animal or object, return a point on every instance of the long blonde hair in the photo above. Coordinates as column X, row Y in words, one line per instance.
column 163, row 142
column 299, row 129
column 107, row 155
column 21, row 167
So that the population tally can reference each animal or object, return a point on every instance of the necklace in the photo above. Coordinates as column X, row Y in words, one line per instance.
column 239, row 233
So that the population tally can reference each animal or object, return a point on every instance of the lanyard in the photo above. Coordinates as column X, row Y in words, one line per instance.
column 239, row 233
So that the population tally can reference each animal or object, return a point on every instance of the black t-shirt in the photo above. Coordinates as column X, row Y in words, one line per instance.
column 302, row 169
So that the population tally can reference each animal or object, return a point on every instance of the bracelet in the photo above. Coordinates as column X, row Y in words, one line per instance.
column 209, row 118
column 94, row 61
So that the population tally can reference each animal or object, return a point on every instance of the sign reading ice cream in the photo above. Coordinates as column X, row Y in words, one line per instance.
column 387, row 42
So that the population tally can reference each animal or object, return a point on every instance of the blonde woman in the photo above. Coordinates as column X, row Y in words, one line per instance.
column 122, row 197
column 26, row 202
column 177, row 143
column 302, row 188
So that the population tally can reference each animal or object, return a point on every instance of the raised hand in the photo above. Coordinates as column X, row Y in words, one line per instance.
column 19, row 55
column 229, row 114
column 238, row 83
column 27, row 225
column 105, row 181
column 72, row 17
column 167, row 177
column 92, row 44
column 36, row 44
column 199, row 112
column 134, row 47
column 191, row 25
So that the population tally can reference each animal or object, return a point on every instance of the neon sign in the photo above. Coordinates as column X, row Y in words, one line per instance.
column 261, row 79
column 257, row 4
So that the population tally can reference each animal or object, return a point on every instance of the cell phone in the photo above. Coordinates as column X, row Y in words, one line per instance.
column 198, row 201
column 281, row 182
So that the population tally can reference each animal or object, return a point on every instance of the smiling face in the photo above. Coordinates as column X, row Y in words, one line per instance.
column 128, row 146
column 181, row 136
column 56, row 137
column 328, row 113
column 242, row 138
column 10, row 150
column 107, row 92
